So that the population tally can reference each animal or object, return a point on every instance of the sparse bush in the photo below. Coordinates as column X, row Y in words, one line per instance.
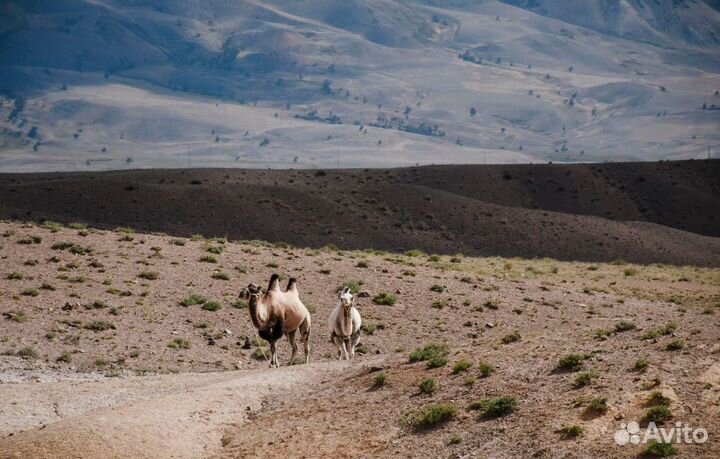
column 573, row 431
column 438, row 288
column 491, row 304
column 511, row 338
column 624, row 326
column 240, row 304
column 597, row 406
column 583, row 379
column 179, row 343
column 216, row 249
column 429, row 351
column 178, row 242
column 431, row 415
column 124, row 229
column 667, row 329
column 28, row 353
column 369, row 328
column 30, row 292
column 641, row 365
column 461, row 366
column 434, row 258
column 675, row 345
column 413, row 253
column 212, row 306
column 602, row 332
column 630, row 272
column 65, row 357
column 659, row 449
column 428, row 386
column 439, row 304
column 657, row 398
column 495, row 407
column 353, row 285
column 16, row 316
column 485, row 369
column 208, row 259
column 99, row 325
column 361, row 264
column 572, row 362
column 149, row 275
column 192, row 300
column 657, row 414
column 380, row 379
column 220, row 275
column 15, row 276
column 455, row 439
column 384, row 298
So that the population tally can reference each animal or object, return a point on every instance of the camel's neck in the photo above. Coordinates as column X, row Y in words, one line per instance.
column 346, row 322
column 258, row 312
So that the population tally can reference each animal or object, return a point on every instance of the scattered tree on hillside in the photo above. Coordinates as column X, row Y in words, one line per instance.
column 264, row 142
column 570, row 69
column 473, row 112
column 326, row 87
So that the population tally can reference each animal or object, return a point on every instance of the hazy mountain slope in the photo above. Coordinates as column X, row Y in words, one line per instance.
column 663, row 22
column 111, row 84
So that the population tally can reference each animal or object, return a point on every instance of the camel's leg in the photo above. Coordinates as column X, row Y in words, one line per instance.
column 355, row 340
column 345, row 347
column 293, row 344
column 305, row 334
column 273, row 355
column 337, row 341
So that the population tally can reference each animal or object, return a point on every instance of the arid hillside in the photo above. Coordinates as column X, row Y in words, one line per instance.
column 119, row 344
column 641, row 212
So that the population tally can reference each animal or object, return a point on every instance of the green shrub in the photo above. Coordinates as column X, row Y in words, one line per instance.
column 438, row 288
column 212, row 306
column 192, row 300
column 99, row 325
column 429, row 351
column 583, row 379
column 511, row 338
column 220, row 275
column 380, row 379
column 641, row 365
column 208, row 259
column 353, row 285
column 28, row 353
column 149, row 275
column 179, row 343
column 65, row 357
column 384, row 298
column 124, row 229
column 216, row 249
column 240, row 304
column 369, row 328
column 657, row 414
column 30, row 292
column 624, row 326
column 675, row 345
column 16, row 316
column 668, row 329
column 659, row 449
column 495, row 407
column 657, row 398
column 455, row 439
column 573, row 431
column 572, row 362
column 485, row 369
column 491, row 304
column 15, row 276
column 597, row 406
column 461, row 366
column 428, row 386
column 431, row 415
column 361, row 264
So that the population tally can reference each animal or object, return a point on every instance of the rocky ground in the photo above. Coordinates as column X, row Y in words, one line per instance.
column 101, row 359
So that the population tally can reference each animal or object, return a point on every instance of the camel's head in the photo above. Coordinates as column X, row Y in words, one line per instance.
column 346, row 298
column 252, row 290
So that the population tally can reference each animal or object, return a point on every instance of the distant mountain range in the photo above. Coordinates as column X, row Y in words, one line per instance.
column 108, row 84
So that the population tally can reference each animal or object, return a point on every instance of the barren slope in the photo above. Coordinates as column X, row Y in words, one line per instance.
column 72, row 389
column 580, row 212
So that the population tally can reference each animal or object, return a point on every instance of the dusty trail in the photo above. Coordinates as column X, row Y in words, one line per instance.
column 170, row 416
